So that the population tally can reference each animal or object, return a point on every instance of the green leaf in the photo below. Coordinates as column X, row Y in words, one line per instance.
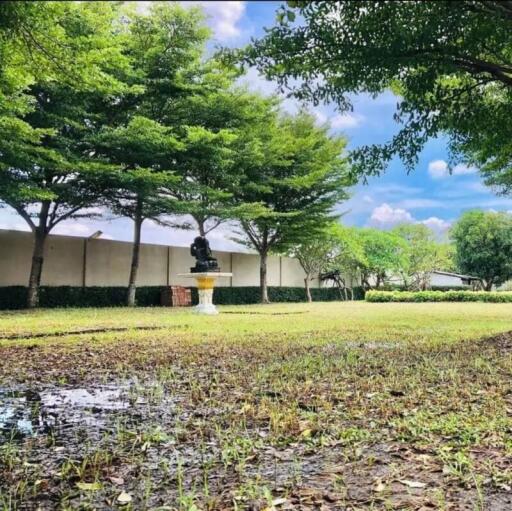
column 89, row 486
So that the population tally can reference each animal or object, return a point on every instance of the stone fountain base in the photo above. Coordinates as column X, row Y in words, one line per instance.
column 205, row 284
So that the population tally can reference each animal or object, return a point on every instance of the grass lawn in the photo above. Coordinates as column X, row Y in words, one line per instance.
column 288, row 406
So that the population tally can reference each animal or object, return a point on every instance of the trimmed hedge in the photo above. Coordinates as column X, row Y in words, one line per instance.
column 14, row 297
column 431, row 288
column 437, row 296
column 247, row 295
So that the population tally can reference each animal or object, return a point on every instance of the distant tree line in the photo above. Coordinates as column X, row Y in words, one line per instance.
column 480, row 245
column 103, row 109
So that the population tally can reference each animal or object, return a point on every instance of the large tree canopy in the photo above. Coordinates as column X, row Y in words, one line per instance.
column 298, row 173
column 449, row 62
column 423, row 255
column 483, row 246
column 46, row 174
column 384, row 254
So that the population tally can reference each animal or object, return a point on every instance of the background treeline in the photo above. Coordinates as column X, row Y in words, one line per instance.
column 479, row 244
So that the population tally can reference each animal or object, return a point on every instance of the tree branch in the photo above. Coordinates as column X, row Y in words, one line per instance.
column 252, row 236
column 23, row 214
column 65, row 216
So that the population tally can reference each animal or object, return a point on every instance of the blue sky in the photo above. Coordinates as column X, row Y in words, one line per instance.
column 429, row 194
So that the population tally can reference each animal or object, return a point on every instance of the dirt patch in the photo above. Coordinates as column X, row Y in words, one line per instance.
column 284, row 424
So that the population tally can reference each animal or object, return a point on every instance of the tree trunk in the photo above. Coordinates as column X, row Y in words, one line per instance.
column 132, row 283
column 488, row 284
column 308, row 290
column 263, row 277
column 200, row 224
column 37, row 267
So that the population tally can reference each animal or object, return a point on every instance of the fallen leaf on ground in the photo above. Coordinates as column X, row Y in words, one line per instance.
column 89, row 486
column 413, row 484
column 379, row 487
column 124, row 498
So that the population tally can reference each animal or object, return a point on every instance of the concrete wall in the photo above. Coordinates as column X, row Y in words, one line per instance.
column 15, row 257
column 74, row 261
column 63, row 264
column 292, row 274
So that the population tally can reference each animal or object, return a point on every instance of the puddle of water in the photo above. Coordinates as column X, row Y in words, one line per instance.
column 25, row 412
column 105, row 399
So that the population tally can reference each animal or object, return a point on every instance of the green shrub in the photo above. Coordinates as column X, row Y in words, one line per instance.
column 397, row 287
column 14, row 297
column 437, row 296
column 247, row 295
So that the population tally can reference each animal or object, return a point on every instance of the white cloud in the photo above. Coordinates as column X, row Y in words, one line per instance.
column 346, row 121
column 368, row 199
column 321, row 118
column 73, row 228
column 385, row 216
column 462, row 169
column 14, row 225
column 257, row 82
column 438, row 225
column 439, row 169
column 223, row 17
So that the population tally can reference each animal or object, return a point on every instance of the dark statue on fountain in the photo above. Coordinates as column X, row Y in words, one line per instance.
column 200, row 249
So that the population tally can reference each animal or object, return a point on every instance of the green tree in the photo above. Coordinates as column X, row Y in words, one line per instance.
column 449, row 62
column 347, row 256
column 315, row 254
column 213, row 125
column 164, row 47
column 140, row 186
column 384, row 256
column 424, row 255
column 70, row 43
column 45, row 174
column 483, row 246
column 297, row 172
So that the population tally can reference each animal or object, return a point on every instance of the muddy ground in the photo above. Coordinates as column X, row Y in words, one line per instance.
column 256, row 425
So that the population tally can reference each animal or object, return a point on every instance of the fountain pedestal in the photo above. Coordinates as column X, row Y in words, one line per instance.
column 205, row 283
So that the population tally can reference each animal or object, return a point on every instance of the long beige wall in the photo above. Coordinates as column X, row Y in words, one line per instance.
column 73, row 261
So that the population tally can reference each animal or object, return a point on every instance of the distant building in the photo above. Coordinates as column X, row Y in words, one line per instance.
column 453, row 280
column 439, row 279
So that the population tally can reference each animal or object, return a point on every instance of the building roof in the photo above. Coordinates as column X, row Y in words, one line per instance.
column 451, row 274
